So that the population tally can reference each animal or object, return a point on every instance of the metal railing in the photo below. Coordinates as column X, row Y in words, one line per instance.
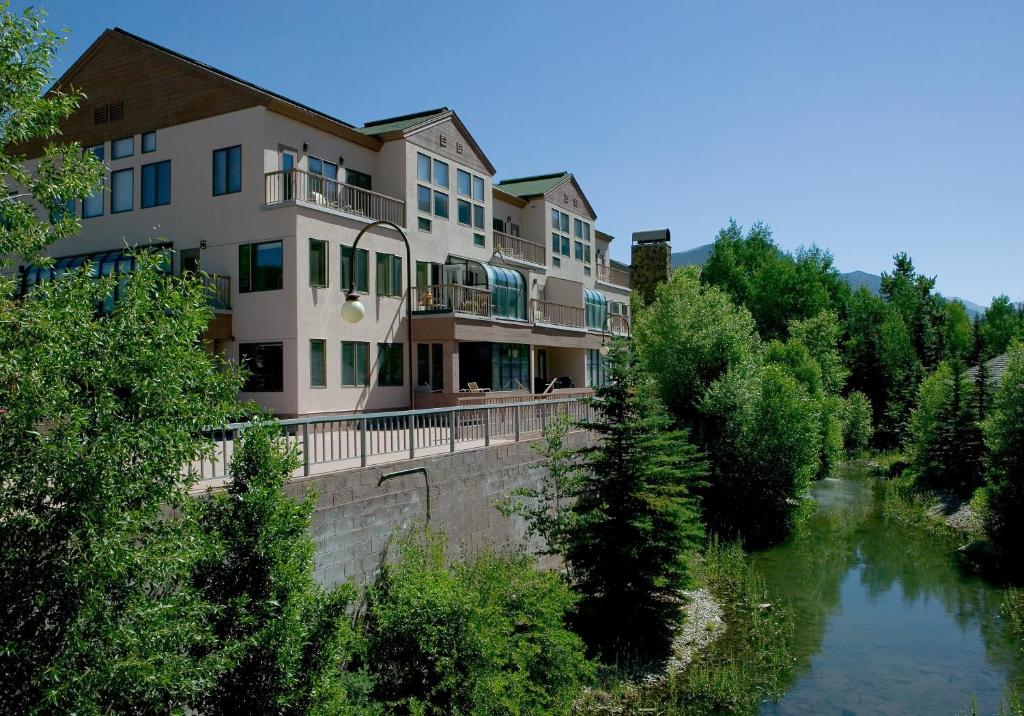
column 556, row 314
column 453, row 297
column 612, row 275
column 297, row 185
column 347, row 441
column 219, row 288
column 519, row 248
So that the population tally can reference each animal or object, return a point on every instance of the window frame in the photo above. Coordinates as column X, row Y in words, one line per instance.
column 435, row 164
column 447, row 205
column 393, row 349
column 353, row 349
column 142, row 142
column 278, row 385
column 325, row 272
column 228, row 153
column 245, row 278
column 420, row 157
column 323, row 363
column 459, row 174
column 155, row 168
column 362, row 268
column 114, row 144
column 130, row 172
column 460, row 205
column 388, row 273
column 434, row 360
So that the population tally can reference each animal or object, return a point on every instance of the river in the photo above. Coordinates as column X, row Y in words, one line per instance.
column 886, row 620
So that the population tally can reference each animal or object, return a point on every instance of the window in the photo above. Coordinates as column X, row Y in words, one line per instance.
column 62, row 210
column 227, row 170
column 464, row 181
column 579, row 250
column 321, row 168
column 156, row 184
column 265, row 363
column 148, row 142
column 596, row 375
column 478, row 188
column 554, row 219
column 479, row 240
column 430, row 365
column 427, row 274
column 441, row 204
column 577, row 228
column 560, row 242
column 390, row 368
column 354, row 178
column 556, row 243
column 423, row 167
column 317, row 363
column 586, row 231
column 93, row 205
column 121, row 148
column 441, row 173
column 260, row 266
column 478, row 216
column 564, row 223
column 423, row 198
column 389, row 275
column 586, row 253
column 355, row 364
column 565, row 245
column 122, row 185
column 362, row 269
column 423, row 224
column 317, row 263
column 555, row 261
column 464, row 212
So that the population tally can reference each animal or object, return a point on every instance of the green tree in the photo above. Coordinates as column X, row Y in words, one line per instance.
column 63, row 173
column 921, row 310
column 287, row 639
column 822, row 334
column 901, row 373
column 1004, row 437
column 1000, row 324
column 763, row 447
column 688, row 338
column 857, row 425
column 865, row 314
column 635, row 517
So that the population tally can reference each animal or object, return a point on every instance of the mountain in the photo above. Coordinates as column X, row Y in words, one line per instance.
column 698, row 256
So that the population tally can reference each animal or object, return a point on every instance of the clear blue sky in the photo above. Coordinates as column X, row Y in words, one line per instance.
column 867, row 127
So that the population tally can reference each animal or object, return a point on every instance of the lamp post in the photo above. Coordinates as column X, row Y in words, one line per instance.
column 354, row 311
column 603, row 350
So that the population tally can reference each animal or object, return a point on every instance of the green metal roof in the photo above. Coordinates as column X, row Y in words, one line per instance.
column 532, row 186
column 397, row 124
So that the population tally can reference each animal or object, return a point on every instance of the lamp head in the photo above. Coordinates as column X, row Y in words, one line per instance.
column 353, row 311
column 603, row 350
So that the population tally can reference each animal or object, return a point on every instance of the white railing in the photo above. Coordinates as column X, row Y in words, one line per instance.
column 346, row 441
column 297, row 185
column 518, row 248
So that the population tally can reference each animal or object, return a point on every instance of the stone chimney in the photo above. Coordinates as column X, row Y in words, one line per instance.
column 652, row 261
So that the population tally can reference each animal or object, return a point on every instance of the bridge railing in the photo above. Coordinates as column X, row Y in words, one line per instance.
column 346, row 441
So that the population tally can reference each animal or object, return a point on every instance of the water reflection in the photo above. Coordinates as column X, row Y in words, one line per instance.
column 886, row 620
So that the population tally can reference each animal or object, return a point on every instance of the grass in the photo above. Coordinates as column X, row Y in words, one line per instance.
column 1013, row 611
column 745, row 665
column 903, row 504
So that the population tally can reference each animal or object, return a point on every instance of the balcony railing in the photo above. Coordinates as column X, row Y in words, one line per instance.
column 219, row 288
column 452, row 297
column 555, row 314
column 296, row 184
column 519, row 248
column 612, row 275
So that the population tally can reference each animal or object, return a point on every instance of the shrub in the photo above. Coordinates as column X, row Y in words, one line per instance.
column 1004, row 436
column 486, row 636
column 857, row 423
column 831, row 409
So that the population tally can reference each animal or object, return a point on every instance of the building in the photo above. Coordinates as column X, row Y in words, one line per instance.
column 513, row 288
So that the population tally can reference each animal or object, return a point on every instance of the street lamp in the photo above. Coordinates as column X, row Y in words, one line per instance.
column 604, row 350
column 353, row 311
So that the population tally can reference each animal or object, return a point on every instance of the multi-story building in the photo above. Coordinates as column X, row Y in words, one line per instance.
column 512, row 285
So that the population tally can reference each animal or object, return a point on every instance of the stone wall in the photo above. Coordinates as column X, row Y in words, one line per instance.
column 354, row 517
column 652, row 264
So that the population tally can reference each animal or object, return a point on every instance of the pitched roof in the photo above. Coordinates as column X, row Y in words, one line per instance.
column 996, row 368
column 397, row 124
column 528, row 187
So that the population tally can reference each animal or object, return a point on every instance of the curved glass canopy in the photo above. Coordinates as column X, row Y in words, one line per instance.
column 508, row 292
column 595, row 306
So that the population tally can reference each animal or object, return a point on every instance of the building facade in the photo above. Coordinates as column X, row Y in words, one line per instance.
column 512, row 288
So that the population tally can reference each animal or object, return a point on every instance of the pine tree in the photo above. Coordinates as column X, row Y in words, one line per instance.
column 635, row 519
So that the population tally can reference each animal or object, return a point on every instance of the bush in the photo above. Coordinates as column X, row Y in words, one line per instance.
column 486, row 636
column 1004, row 436
column 857, row 423
column 764, row 451
column 831, row 409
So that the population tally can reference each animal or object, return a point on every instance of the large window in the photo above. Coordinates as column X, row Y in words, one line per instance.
column 156, row 184
column 430, row 201
column 227, row 170
column 472, row 187
column 359, row 179
column 508, row 292
column 465, row 212
column 441, row 173
column 441, row 204
column 362, row 269
column 260, row 266
column 595, row 305
column 355, row 364
column 596, row 375
column 464, row 182
column 122, row 191
column 423, row 167
column 389, row 275
column 318, row 263
column 318, row 363
column 560, row 241
column 93, row 205
column 265, row 365
column 430, row 365
column 390, row 368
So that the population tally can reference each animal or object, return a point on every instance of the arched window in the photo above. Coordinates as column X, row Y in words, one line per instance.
column 595, row 306
column 508, row 292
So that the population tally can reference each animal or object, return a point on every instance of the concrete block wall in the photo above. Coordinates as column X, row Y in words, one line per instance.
column 354, row 517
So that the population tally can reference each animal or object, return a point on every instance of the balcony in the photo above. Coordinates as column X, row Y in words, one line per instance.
column 453, row 298
column 514, row 247
column 218, row 291
column 297, row 185
column 556, row 314
column 613, row 276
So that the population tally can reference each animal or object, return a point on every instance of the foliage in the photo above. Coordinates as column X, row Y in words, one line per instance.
column 920, row 310
column 546, row 509
column 635, row 518
column 100, row 413
column 688, row 338
column 1000, row 324
column 831, row 411
column 763, row 446
column 775, row 287
column 486, row 636
column 958, row 333
column 287, row 639
column 857, row 423
column 902, row 371
column 945, row 446
column 1012, row 610
column 821, row 335
column 1004, row 437
column 63, row 173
